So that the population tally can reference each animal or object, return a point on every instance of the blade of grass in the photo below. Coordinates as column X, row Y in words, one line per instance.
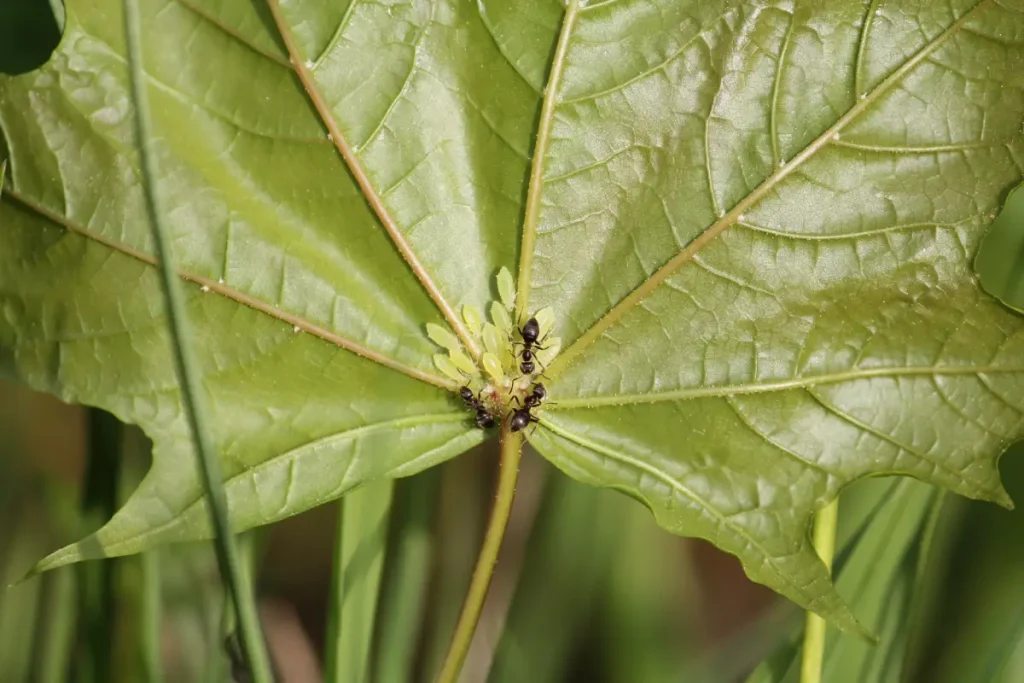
column 151, row 618
column 406, row 578
column 18, row 603
column 825, row 523
column 56, row 628
column 188, row 371
column 358, row 566
column 508, row 475
column 931, row 572
column 96, row 596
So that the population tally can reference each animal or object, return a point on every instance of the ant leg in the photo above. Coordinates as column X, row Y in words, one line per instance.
column 516, row 399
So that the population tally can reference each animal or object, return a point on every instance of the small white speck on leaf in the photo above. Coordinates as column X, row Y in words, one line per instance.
column 205, row 288
column 836, row 136
column 220, row 280
column 742, row 218
column 296, row 329
column 309, row 64
column 330, row 137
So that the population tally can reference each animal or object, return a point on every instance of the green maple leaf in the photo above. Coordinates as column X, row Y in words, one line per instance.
column 754, row 222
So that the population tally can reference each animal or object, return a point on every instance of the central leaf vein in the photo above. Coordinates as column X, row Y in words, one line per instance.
column 373, row 198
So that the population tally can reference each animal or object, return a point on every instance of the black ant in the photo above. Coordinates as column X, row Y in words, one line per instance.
column 529, row 332
column 522, row 417
column 484, row 419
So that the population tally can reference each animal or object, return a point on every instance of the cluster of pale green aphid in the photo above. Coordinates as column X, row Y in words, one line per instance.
column 501, row 341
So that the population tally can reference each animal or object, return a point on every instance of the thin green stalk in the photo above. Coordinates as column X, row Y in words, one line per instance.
column 508, row 475
column 151, row 618
column 188, row 371
column 825, row 523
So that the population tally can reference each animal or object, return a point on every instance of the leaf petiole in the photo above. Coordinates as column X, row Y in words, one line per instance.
column 508, row 475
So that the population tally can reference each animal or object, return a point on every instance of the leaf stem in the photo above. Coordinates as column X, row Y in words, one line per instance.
column 508, row 475
column 813, row 657
column 540, row 151
column 188, row 371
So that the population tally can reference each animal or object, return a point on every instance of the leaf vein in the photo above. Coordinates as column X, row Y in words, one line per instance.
column 374, row 199
column 218, row 287
column 716, row 391
column 615, row 314
column 936, row 465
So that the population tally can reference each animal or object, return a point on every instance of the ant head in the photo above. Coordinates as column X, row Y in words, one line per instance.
column 484, row 420
column 466, row 393
column 530, row 331
column 539, row 391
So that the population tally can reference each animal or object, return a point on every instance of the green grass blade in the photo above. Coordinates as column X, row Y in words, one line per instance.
column 188, row 371
column 151, row 618
column 18, row 603
column 358, row 566
column 55, row 635
column 406, row 576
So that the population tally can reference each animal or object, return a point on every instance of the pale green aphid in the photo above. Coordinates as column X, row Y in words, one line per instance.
column 502, row 320
column 462, row 361
column 545, row 318
column 443, row 337
column 506, row 288
column 473, row 320
column 492, row 366
column 492, row 340
column 446, row 366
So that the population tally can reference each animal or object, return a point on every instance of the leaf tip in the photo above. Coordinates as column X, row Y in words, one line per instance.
column 69, row 554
